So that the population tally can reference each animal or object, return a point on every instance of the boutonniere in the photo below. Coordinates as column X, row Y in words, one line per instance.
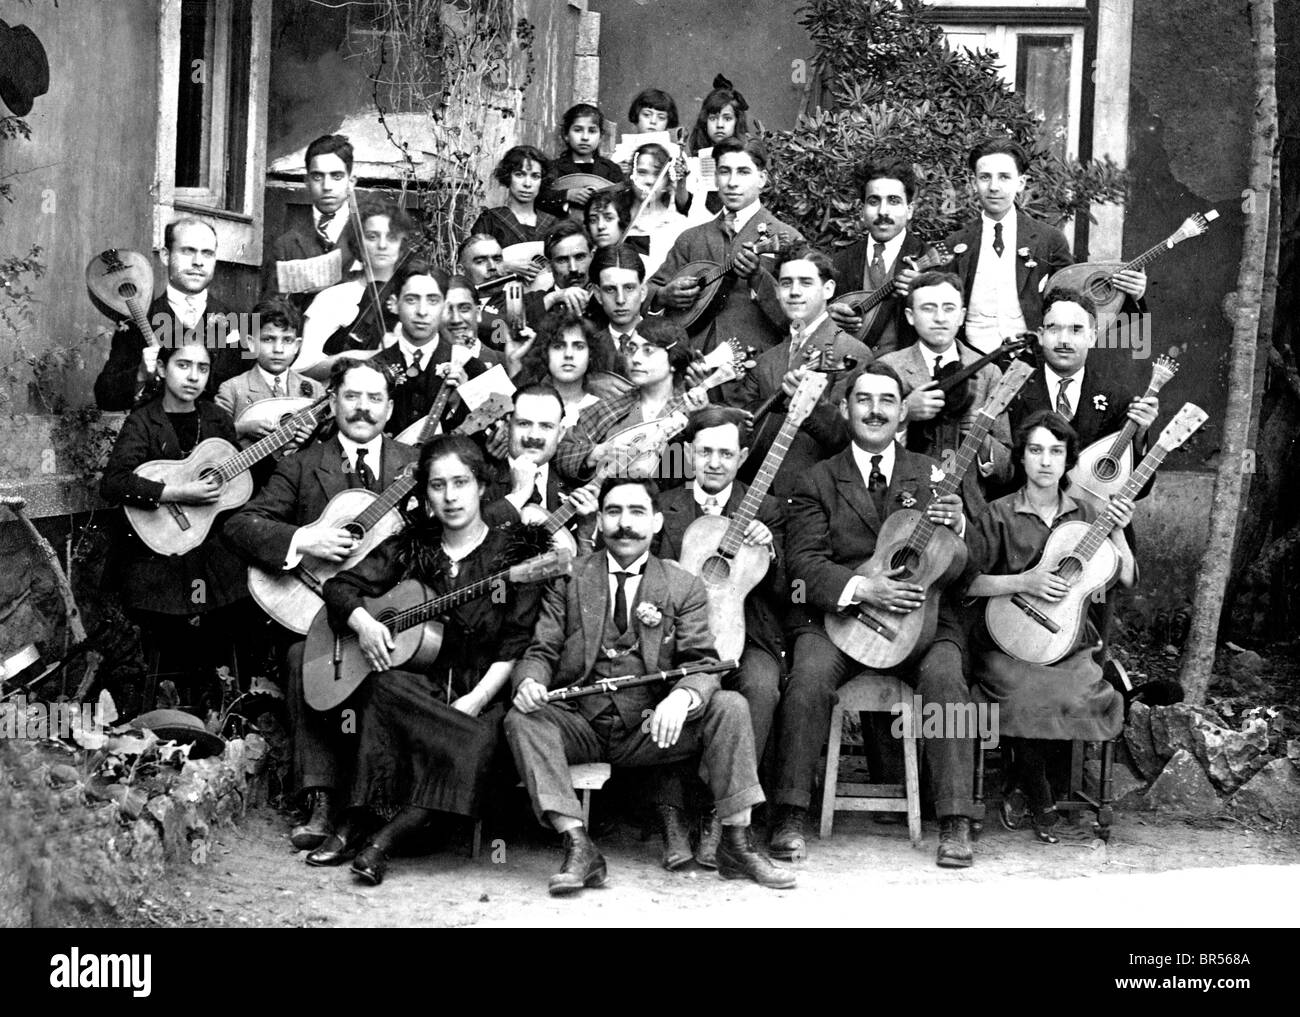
column 907, row 500
column 649, row 615
column 960, row 249
column 305, row 389
column 936, row 475
column 1029, row 261
column 1099, row 403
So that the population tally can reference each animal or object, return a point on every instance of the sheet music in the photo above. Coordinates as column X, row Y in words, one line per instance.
column 629, row 143
column 494, row 381
column 307, row 275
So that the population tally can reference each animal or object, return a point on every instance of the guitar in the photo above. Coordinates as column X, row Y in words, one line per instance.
column 710, row 275
column 1041, row 632
column 333, row 665
column 1105, row 465
column 1095, row 277
column 495, row 407
column 420, row 431
column 123, row 280
column 713, row 548
column 173, row 528
column 867, row 302
column 930, row 555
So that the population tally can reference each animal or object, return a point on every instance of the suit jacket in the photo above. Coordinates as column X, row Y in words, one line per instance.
column 569, row 630
column 889, row 329
column 750, row 311
column 299, row 240
column 240, row 392
column 115, row 388
column 832, row 528
column 764, row 605
column 166, row 583
column 413, row 397
column 1048, row 250
column 823, row 433
column 296, row 495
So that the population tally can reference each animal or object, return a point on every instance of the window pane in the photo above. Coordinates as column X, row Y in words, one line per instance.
column 193, row 96
column 241, row 53
column 1043, row 77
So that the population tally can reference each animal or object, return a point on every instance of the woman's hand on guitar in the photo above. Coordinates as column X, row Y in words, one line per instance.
column 333, row 543
column 845, row 317
column 1119, row 511
column 745, row 261
column 1130, row 282
column 680, row 293
column 530, row 696
column 375, row 640
column 193, row 492
column 926, row 402
column 886, row 592
column 1143, row 411
column 1044, row 585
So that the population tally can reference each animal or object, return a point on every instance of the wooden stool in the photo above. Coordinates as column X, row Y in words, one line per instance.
column 585, row 778
column 872, row 692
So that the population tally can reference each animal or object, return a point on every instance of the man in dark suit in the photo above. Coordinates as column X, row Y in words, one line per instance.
column 625, row 612
column 279, row 526
column 805, row 283
column 746, row 305
column 888, row 191
column 1005, row 257
column 835, row 518
column 619, row 277
column 314, row 230
column 568, row 252
column 185, row 310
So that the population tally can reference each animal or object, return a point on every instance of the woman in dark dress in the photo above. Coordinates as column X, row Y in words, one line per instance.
column 1037, row 703
column 519, row 221
column 427, row 740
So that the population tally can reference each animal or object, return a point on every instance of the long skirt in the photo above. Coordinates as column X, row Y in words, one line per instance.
column 1067, row 700
column 417, row 750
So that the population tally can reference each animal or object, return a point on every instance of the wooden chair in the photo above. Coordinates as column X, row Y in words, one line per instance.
column 585, row 778
column 872, row 692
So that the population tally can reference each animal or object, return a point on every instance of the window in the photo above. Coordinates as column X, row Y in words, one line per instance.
column 212, row 119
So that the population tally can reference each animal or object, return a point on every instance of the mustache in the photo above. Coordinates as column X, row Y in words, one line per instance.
column 875, row 419
column 624, row 533
column 361, row 415
column 534, row 443
column 884, row 220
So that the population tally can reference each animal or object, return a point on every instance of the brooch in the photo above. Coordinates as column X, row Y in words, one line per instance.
column 649, row 615
column 1099, row 403
column 305, row 389
column 960, row 249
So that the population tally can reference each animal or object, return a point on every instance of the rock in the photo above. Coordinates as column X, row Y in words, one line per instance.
column 1273, row 793
column 255, row 754
column 171, row 819
column 1182, row 787
column 1183, row 726
column 62, row 773
column 1293, row 749
column 1234, row 757
column 1248, row 663
column 1138, row 741
column 1126, row 785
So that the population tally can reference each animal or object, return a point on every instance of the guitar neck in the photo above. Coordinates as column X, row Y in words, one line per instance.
column 753, row 500
column 434, row 420
column 1100, row 529
column 388, row 500
column 230, row 468
column 430, row 609
column 559, row 519
column 951, row 482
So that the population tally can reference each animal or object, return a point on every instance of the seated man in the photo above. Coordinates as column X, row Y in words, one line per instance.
column 835, row 517
column 623, row 613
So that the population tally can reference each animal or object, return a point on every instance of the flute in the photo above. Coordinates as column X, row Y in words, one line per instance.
column 608, row 686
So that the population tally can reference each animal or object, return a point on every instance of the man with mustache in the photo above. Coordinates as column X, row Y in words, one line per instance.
column 279, row 526
column 835, row 516
column 568, row 252
column 624, row 612
column 481, row 260
column 888, row 189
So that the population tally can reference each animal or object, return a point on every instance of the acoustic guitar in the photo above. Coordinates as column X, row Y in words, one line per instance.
column 1104, row 467
column 333, row 664
column 123, row 281
column 420, row 431
column 1042, row 632
column 867, row 302
column 713, row 547
column 930, row 555
column 710, row 275
column 1096, row 278
column 173, row 528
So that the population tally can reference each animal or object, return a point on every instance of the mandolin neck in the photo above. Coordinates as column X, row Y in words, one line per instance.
column 1101, row 527
column 230, row 468
column 1151, row 254
column 141, row 320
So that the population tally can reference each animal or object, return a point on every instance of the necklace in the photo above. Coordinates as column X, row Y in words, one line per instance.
column 461, row 553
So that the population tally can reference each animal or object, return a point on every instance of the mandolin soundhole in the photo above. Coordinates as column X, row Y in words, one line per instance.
column 906, row 559
column 716, row 570
column 1069, row 569
column 1106, row 468
column 1101, row 290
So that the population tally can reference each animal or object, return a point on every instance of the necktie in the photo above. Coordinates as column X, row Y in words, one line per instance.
column 998, row 245
column 937, row 362
column 797, row 338
column 729, row 225
column 192, row 313
column 364, row 473
column 620, row 601
column 711, row 506
column 325, row 219
column 1063, row 401
column 878, row 276
column 536, row 498
column 620, row 341
column 277, row 389
column 414, row 370
column 876, row 486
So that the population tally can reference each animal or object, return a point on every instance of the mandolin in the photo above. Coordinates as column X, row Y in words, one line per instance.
column 420, row 431
column 929, row 554
column 867, row 302
column 275, row 411
column 710, row 275
column 333, row 665
column 713, row 547
column 531, row 252
column 1042, row 632
column 173, row 528
column 123, row 280
column 1105, row 466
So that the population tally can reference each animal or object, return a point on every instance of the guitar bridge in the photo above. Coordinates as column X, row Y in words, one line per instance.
column 1035, row 614
column 877, row 625
column 309, row 579
column 178, row 513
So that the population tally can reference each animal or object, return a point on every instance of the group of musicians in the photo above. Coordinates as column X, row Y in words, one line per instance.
column 601, row 348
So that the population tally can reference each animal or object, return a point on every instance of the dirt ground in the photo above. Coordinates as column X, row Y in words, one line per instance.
column 1151, row 873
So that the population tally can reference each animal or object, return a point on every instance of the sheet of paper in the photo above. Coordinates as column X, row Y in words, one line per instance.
column 307, row 275
column 493, row 381
column 629, row 143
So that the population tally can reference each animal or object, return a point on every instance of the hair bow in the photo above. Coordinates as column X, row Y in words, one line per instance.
column 720, row 81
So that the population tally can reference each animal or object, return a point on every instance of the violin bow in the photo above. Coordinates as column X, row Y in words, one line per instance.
column 649, row 197
column 355, row 212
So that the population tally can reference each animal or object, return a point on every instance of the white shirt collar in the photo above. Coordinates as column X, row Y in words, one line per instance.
column 812, row 326
column 636, row 568
column 863, row 459
column 1008, row 222
column 333, row 228
column 701, row 496
column 180, row 300
column 618, row 330
column 269, row 378
column 1054, row 386
column 373, row 449
column 408, row 348
column 892, row 249
column 743, row 215
column 949, row 356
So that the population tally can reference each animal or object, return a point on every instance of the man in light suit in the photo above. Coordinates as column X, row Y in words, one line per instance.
column 624, row 612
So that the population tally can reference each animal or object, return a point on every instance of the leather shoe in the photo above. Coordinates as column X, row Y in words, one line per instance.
column 739, row 859
column 706, row 850
column 954, row 843
column 337, row 849
column 312, row 833
column 789, row 842
column 583, row 864
column 677, row 842
column 370, row 864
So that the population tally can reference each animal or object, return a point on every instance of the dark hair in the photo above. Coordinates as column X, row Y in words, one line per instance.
column 330, row 144
column 345, row 364
column 875, row 367
column 670, row 336
column 470, row 241
column 167, row 350
column 998, row 146
column 368, row 208
column 653, row 98
column 515, row 159
column 649, row 486
column 723, row 95
column 571, row 116
column 557, row 321
column 1059, row 427
column 717, row 416
column 563, row 230
column 1062, row 295
column 889, row 169
column 278, row 312
column 616, row 256
column 619, row 200
column 539, row 388
column 935, row 277
column 169, row 231
column 752, row 147
column 463, row 448
column 461, row 282
column 418, row 266
column 806, row 252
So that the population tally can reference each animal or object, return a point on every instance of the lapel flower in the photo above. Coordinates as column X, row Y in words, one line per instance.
column 907, row 500
column 936, row 475
column 649, row 615
column 304, row 389
column 960, row 248
column 1099, row 403
column 1029, row 261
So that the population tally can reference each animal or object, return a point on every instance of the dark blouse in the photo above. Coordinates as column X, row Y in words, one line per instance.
column 1009, row 537
column 501, row 223
column 552, row 201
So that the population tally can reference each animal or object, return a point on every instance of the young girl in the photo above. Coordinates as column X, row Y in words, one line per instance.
column 521, row 172
column 607, row 217
column 652, row 110
column 580, row 132
column 722, row 115
column 385, row 232
column 1039, row 703
column 656, row 223
column 567, row 355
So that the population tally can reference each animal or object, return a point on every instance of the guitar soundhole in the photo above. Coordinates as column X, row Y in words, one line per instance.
column 1069, row 569
column 715, row 570
column 906, row 559
column 1106, row 468
column 210, row 471
column 354, row 530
